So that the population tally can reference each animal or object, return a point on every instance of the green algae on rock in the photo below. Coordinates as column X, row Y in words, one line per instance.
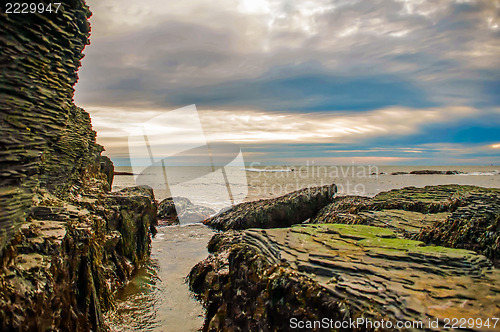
column 259, row 279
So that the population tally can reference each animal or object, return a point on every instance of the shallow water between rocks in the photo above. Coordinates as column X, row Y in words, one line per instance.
column 157, row 299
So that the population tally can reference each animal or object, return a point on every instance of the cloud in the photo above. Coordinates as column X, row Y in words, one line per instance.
column 385, row 77
column 165, row 54
column 480, row 129
column 259, row 127
column 305, row 88
column 255, row 126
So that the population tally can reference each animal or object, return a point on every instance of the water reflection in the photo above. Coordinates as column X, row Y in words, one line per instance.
column 157, row 299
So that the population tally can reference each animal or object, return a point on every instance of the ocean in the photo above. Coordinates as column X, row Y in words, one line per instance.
column 252, row 183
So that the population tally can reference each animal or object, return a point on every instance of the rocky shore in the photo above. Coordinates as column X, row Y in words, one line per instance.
column 66, row 241
column 413, row 255
column 464, row 217
column 289, row 209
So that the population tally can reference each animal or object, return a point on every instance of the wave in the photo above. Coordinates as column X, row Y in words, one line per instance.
column 482, row 173
column 267, row 170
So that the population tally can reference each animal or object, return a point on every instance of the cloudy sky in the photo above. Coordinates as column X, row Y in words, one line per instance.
column 408, row 82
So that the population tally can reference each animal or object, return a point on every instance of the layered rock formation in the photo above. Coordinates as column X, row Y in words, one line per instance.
column 66, row 242
column 360, row 258
column 45, row 138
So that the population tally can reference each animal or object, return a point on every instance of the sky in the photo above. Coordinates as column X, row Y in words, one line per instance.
column 382, row 82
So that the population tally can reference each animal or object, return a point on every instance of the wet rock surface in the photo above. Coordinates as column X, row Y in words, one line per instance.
column 72, row 254
column 292, row 208
column 66, row 242
column 359, row 257
column 170, row 210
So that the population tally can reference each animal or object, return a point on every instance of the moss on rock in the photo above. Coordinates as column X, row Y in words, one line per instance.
column 465, row 217
column 260, row 279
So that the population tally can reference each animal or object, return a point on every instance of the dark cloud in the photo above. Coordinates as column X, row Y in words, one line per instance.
column 305, row 93
column 417, row 49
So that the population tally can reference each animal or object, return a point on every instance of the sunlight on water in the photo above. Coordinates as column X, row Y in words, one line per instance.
column 157, row 299
column 136, row 307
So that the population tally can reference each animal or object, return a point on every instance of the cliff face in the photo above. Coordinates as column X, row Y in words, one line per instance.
column 46, row 141
column 66, row 242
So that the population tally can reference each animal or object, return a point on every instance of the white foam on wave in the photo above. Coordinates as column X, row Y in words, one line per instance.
column 496, row 172
column 267, row 170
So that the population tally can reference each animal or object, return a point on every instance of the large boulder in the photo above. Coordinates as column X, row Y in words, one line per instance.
column 289, row 209
column 166, row 208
